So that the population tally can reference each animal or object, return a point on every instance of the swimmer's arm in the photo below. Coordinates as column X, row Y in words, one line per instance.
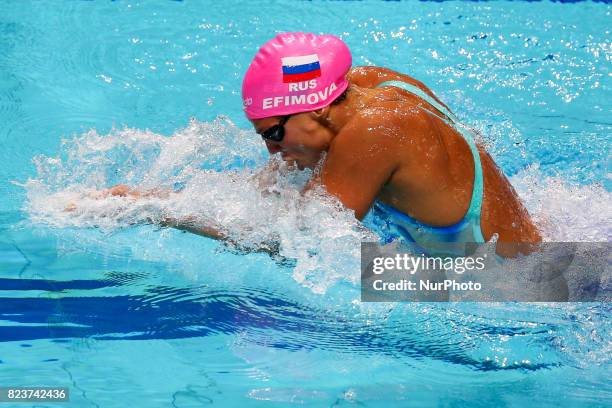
column 192, row 226
column 189, row 224
column 358, row 165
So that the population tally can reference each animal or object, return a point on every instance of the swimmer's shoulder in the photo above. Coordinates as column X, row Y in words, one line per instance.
column 370, row 76
column 380, row 124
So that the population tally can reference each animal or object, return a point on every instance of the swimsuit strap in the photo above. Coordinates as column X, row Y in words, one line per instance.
column 422, row 94
column 474, row 210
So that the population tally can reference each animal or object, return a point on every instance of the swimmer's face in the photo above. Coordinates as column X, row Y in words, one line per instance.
column 304, row 142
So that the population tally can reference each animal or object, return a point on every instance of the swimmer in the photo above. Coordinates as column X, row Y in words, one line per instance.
column 384, row 142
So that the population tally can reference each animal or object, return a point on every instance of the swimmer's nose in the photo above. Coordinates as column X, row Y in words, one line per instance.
column 273, row 147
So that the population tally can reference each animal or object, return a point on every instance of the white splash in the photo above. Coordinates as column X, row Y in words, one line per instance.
column 565, row 212
column 211, row 172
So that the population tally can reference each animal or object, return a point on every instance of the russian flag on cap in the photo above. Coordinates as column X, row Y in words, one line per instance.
column 301, row 68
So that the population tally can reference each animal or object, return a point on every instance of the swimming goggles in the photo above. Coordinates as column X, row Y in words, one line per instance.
column 276, row 133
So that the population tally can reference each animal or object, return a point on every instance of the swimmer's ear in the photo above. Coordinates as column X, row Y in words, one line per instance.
column 321, row 115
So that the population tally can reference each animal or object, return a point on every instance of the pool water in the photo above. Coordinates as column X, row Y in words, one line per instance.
column 124, row 314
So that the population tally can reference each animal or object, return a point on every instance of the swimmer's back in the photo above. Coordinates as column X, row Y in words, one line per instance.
column 502, row 211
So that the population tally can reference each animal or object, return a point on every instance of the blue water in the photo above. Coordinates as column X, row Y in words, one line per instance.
column 97, row 93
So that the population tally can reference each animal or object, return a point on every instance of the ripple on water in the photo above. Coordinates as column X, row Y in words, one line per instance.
column 518, row 90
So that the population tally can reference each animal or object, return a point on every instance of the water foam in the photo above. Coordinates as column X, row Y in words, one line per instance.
column 565, row 212
column 211, row 171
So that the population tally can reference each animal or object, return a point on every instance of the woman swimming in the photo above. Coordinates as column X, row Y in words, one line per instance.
column 388, row 144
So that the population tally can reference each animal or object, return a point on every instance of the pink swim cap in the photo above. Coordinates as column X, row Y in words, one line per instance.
column 295, row 72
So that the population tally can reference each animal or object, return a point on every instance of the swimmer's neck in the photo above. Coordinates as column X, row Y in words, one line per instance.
column 336, row 116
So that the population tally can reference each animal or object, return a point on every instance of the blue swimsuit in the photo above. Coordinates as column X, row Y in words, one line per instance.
column 426, row 236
